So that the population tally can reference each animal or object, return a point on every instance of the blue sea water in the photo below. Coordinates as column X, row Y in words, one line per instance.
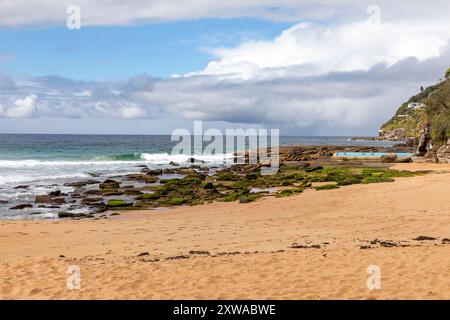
column 46, row 162
column 371, row 154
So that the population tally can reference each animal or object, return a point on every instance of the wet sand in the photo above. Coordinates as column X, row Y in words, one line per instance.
column 316, row 245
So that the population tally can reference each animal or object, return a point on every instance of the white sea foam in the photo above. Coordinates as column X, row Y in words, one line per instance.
column 33, row 171
column 37, row 176
column 151, row 158
column 165, row 158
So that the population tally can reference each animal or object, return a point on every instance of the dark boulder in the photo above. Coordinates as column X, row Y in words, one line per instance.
column 193, row 160
column 81, row 183
column 209, row 186
column 22, row 187
column 109, row 184
column 65, row 214
column 21, row 206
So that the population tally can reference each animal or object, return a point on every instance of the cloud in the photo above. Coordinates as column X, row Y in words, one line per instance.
column 318, row 49
column 355, row 102
column 21, row 108
column 333, row 103
column 344, row 77
column 112, row 12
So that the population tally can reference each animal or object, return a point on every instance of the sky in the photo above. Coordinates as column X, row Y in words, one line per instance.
column 148, row 67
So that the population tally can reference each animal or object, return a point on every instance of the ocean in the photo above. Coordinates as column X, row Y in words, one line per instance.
column 35, row 164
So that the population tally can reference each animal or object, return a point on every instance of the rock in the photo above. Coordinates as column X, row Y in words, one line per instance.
column 147, row 178
column 424, row 238
column 93, row 192
column 59, row 200
column 109, row 184
column 21, row 206
column 187, row 171
column 193, row 160
column 98, row 201
column 109, row 193
column 22, row 187
column 404, row 160
column 43, row 199
column 55, row 193
column 93, row 174
column 101, row 209
column 152, row 172
column 143, row 254
column 81, row 183
column 244, row 200
column 118, row 203
column 443, row 153
column 424, row 141
column 411, row 142
column 49, row 199
column 209, row 185
column 75, row 195
column 199, row 252
column 132, row 192
column 388, row 158
column 3, row 201
column 65, row 214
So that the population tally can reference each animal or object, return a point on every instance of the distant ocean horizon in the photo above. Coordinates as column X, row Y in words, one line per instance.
column 45, row 162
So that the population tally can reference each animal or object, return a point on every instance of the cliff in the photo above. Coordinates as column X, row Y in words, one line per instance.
column 424, row 120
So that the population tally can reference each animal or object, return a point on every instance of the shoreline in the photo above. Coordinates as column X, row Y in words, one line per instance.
column 81, row 197
column 315, row 245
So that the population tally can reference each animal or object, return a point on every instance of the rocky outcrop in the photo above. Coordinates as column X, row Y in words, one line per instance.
column 308, row 153
column 424, row 142
column 443, row 153
column 425, row 116
column 393, row 135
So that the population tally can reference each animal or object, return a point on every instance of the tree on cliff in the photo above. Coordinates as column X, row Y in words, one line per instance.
column 438, row 113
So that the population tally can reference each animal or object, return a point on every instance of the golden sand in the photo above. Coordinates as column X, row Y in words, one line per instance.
column 316, row 245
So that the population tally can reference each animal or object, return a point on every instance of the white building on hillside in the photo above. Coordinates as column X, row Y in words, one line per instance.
column 416, row 105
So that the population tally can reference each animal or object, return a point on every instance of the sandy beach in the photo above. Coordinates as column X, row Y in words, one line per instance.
column 316, row 245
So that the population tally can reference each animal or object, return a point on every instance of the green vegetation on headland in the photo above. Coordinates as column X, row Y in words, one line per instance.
column 424, row 120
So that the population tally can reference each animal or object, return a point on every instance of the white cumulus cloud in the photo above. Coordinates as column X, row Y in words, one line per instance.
column 21, row 108
column 319, row 49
